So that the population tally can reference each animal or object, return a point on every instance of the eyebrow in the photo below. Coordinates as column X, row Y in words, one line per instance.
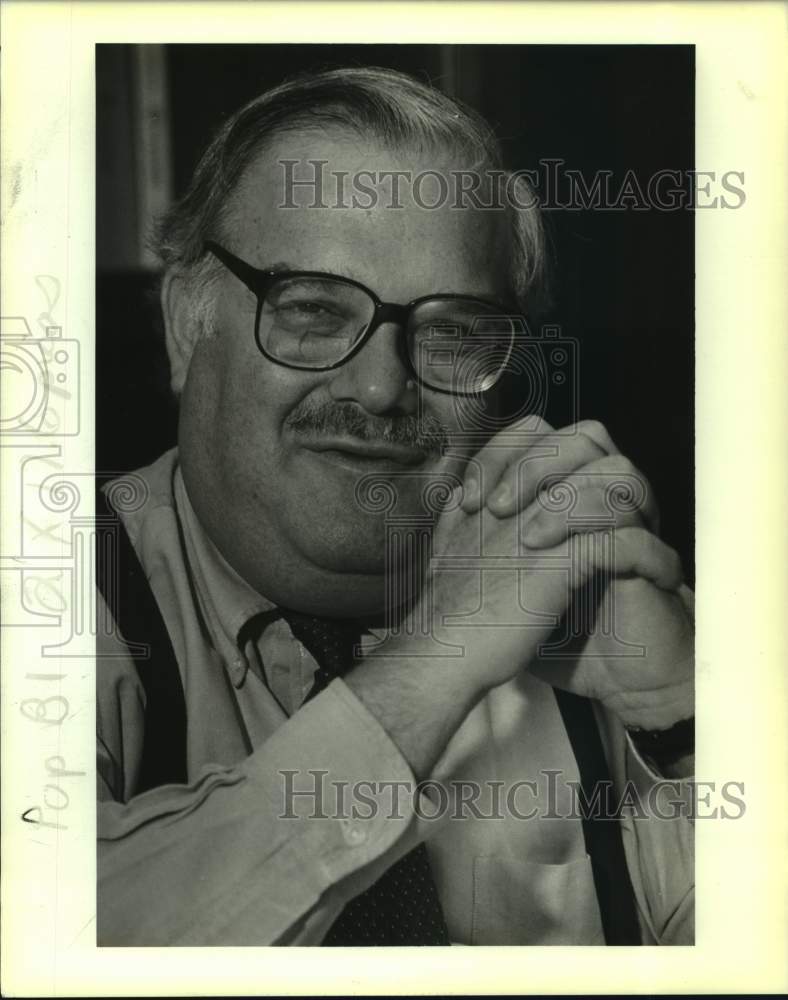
column 283, row 265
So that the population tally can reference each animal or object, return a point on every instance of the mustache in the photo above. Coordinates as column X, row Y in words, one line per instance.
column 425, row 433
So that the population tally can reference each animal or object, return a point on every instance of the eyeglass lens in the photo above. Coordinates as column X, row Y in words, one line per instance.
column 455, row 344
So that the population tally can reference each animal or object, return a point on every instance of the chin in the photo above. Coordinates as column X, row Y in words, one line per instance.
column 355, row 572
column 351, row 547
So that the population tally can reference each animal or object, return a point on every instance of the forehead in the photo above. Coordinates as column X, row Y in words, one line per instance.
column 348, row 204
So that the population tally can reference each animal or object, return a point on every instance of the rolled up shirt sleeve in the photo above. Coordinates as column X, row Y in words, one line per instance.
column 265, row 852
column 661, row 846
column 657, row 830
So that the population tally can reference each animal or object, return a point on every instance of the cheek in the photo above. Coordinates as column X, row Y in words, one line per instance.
column 247, row 411
column 234, row 405
column 246, row 393
column 223, row 419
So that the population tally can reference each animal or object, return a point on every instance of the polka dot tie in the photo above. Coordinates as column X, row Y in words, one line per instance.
column 402, row 907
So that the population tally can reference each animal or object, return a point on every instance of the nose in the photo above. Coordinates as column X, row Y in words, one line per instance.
column 376, row 378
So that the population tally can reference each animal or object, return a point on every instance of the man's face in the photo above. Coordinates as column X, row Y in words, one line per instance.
column 272, row 456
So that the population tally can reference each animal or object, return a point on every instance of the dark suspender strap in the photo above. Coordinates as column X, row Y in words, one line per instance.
column 602, row 833
column 139, row 620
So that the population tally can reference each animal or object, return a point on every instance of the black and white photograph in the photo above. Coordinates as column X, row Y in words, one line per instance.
column 392, row 449
column 397, row 378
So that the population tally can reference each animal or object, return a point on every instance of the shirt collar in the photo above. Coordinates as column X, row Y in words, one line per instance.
column 228, row 603
column 226, row 600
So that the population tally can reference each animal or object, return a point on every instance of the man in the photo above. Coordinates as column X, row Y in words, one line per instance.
column 359, row 575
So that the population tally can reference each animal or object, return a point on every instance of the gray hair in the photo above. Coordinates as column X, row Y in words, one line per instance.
column 390, row 105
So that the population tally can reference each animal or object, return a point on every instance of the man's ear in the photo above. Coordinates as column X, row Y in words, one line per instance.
column 179, row 328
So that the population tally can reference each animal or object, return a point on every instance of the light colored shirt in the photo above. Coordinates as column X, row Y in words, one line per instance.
column 213, row 862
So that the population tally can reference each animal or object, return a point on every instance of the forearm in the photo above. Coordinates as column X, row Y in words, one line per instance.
column 419, row 700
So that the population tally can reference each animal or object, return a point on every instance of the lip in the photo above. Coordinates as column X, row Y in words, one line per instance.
column 367, row 454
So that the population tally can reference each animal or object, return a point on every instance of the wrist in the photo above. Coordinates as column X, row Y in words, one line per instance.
column 420, row 700
column 437, row 663
column 654, row 711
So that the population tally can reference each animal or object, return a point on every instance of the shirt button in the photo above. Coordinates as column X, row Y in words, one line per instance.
column 354, row 835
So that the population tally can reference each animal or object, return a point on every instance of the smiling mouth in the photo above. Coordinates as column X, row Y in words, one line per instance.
column 366, row 455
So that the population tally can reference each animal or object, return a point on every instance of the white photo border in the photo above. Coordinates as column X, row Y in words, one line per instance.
column 48, row 713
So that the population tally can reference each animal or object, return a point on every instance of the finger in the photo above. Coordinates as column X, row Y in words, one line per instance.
column 627, row 488
column 485, row 468
column 640, row 552
column 547, row 528
column 599, row 435
column 610, row 491
column 631, row 551
column 520, row 481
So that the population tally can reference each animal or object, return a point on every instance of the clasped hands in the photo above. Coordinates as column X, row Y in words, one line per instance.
column 511, row 495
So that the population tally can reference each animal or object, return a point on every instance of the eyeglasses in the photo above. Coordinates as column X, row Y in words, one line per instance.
column 314, row 321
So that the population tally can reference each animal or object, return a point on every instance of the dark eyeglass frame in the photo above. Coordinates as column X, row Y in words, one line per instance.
column 260, row 281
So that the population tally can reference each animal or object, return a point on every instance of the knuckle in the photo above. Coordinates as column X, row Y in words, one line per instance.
column 474, row 466
column 534, row 424
column 674, row 562
column 593, row 446
column 637, row 539
column 594, row 429
column 631, row 479
column 621, row 465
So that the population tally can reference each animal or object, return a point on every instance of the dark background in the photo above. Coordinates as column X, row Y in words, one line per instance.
column 622, row 280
